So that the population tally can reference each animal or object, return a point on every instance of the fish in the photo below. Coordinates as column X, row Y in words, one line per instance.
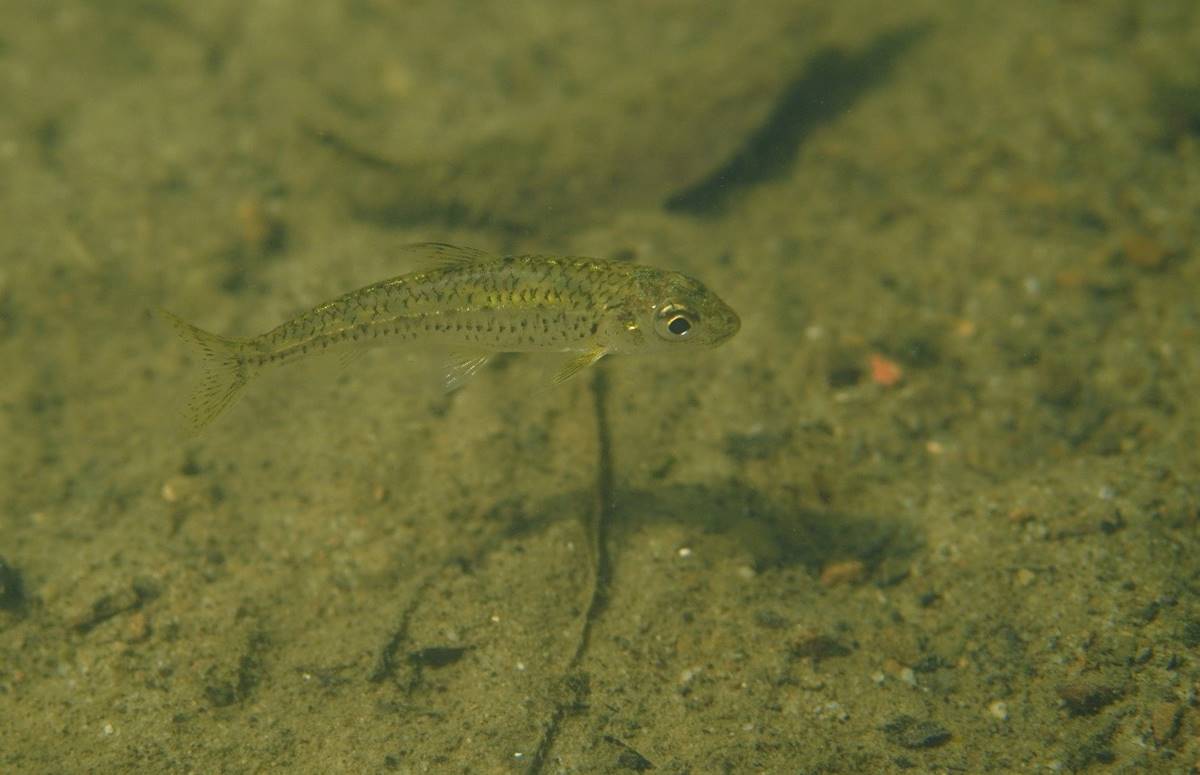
column 474, row 304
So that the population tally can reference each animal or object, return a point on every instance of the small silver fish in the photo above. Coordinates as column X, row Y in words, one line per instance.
column 475, row 304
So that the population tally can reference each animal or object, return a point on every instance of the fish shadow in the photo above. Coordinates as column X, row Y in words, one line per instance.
column 830, row 83
column 775, row 535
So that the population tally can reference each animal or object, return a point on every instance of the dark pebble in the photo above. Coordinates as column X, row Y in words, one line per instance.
column 819, row 646
column 908, row 732
column 221, row 695
column 437, row 656
column 1086, row 698
column 1190, row 634
column 770, row 619
column 12, row 587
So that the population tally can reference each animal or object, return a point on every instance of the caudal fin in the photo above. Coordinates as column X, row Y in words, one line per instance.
column 226, row 371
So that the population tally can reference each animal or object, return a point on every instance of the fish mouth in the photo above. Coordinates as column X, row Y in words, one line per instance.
column 733, row 324
column 730, row 325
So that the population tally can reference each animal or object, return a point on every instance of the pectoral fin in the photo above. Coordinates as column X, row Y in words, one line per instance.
column 462, row 365
column 348, row 355
column 578, row 364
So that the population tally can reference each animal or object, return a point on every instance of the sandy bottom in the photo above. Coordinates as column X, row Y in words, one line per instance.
column 934, row 509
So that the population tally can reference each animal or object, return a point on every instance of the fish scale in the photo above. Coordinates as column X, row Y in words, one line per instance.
column 474, row 304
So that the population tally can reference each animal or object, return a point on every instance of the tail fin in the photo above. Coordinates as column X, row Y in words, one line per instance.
column 226, row 371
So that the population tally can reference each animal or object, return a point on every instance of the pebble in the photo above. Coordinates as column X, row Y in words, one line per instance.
column 908, row 732
column 1084, row 697
column 817, row 646
column 260, row 228
column 845, row 572
column 12, row 587
column 1165, row 719
column 137, row 629
column 1143, row 251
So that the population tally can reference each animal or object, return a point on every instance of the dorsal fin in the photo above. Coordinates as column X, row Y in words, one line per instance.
column 439, row 255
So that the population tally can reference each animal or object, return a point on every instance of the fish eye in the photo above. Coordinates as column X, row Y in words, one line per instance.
column 674, row 322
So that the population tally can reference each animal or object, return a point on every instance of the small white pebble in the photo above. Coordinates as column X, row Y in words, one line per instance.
column 685, row 552
column 908, row 676
column 999, row 709
column 108, row 729
column 832, row 710
column 878, row 677
column 521, row 666
column 746, row 572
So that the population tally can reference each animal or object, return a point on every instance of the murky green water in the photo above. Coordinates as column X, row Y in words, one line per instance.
column 933, row 509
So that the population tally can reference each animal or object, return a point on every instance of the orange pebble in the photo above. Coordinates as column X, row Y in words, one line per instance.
column 845, row 572
column 1144, row 251
column 884, row 371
